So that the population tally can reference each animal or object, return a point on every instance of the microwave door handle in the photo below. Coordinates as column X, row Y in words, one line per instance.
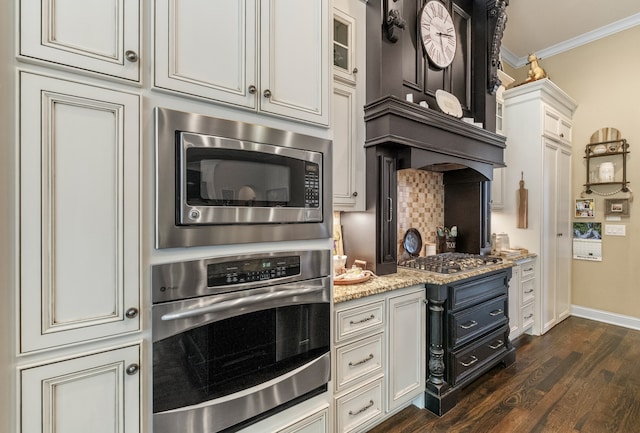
column 238, row 302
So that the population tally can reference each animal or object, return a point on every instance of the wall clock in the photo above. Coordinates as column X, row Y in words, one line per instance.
column 438, row 33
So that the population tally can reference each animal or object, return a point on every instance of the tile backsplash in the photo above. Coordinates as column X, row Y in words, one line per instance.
column 420, row 204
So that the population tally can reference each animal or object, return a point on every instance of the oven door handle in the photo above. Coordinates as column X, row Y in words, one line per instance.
column 238, row 302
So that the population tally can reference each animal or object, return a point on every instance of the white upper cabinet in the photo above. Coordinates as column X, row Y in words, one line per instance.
column 100, row 36
column 208, row 49
column 79, row 212
column 265, row 55
column 347, row 109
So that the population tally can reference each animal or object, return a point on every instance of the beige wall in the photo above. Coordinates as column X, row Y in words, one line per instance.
column 603, row 78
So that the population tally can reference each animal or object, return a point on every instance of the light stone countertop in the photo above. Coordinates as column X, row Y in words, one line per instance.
column 408, row 277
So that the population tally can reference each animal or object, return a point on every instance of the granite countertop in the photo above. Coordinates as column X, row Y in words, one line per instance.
column 405, row 278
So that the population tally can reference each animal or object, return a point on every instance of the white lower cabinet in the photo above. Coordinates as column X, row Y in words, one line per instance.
column 522, row 296
column 407, row 351
column 97, row 393
column 379, row 357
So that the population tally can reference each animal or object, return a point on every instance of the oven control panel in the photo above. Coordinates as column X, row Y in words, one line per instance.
column 250, row 270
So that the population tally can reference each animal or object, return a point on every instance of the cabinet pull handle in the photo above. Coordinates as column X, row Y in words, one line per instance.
column 367, row 359
column 529, row 291
column 131, row 313
column 467, row 364
column 390, row 216
column 496, row 312
column 529, row 316
column 469, row 325
column 528, row 270
column 366, row 319
column 252, row 89
column 132, row 369
column 352, row 413
column 267, row 93
column 498, row 344
column 131, row 56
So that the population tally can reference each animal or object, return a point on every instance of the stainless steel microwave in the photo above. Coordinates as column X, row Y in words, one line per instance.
column 226, row 182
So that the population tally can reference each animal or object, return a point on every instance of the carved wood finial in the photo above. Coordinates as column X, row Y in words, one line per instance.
column 497, row 22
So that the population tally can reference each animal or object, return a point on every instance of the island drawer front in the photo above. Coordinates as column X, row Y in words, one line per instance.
column 359, row 360
column 362, row 406
column 467, row 360
column 468, row 293
column 477, row 320
column 359, row 320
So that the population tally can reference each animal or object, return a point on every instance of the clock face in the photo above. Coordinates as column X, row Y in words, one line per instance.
column 438, row 33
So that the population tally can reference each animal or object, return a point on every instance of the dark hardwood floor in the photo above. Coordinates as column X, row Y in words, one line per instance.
column 581, row 377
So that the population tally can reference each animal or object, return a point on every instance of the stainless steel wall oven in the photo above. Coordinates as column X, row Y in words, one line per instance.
column 236, row 339
column 226, row 182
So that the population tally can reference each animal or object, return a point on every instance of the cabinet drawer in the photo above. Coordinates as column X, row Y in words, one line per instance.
column 466, row 361
column 466, row 294
column 359, row 320
column 528, row 270
column 359, row 407
column 527, row 315
column 528, row 290
column 467, row 324
column 359, row 360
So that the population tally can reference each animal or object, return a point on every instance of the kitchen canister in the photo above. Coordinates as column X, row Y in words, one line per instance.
column 606, row 171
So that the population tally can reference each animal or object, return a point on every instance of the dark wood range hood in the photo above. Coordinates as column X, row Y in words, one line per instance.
column 402, row 134
column 430, row 140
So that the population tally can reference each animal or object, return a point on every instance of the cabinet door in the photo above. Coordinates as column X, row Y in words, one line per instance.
column 347, row 113
column 387, row 212
column 556, row 242
column 407, row 352
column 348, row 150
column 564, row 245
column 207, row 49
column 294, row 52
column 100, row 36
column 79, row 212
column 98, row 393
column 549, row 236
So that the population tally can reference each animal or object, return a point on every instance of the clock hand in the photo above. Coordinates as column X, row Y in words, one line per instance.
column 444, row 34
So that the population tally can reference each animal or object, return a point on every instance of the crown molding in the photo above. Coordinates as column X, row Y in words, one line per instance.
column 569, row 44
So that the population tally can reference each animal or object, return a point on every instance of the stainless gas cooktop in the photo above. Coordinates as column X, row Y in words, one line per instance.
column 449, row 263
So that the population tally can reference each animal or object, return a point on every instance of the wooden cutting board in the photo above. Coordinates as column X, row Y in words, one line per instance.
column 523, row 205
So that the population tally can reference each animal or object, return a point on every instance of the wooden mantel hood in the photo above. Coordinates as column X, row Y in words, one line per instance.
column 427, row 138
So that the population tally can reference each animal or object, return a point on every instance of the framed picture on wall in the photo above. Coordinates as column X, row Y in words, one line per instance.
column 616, row 206
column 585, row 207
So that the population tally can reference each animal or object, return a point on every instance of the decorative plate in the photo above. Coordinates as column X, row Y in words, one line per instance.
column 412, row 242
column 448, row 103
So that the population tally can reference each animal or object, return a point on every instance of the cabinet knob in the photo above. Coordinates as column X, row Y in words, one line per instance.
column 267, row 93
column 131, row 313
column 131, row 56
column 252, row 89
column 561, row 135
column 355, row 70
column 355, row 193
column 132, row 369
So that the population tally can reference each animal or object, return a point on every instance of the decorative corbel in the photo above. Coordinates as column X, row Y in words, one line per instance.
column 392, row 19
column 497, row 17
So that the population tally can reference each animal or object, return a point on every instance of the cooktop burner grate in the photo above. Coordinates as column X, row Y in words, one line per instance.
column 449, row 263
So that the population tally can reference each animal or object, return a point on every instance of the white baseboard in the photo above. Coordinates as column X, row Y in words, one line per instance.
column 606, row 317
